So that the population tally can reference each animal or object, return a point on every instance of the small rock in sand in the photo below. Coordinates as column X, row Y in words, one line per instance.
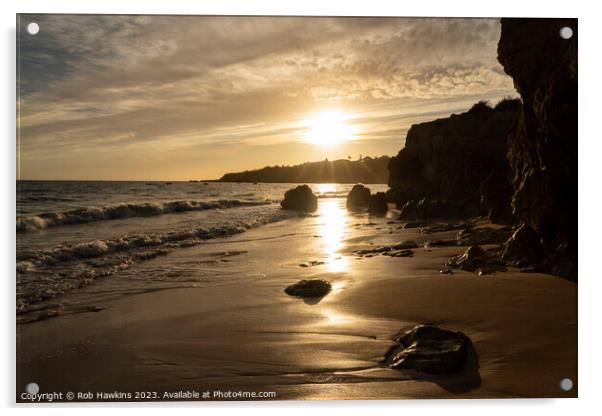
column 415, row 224
column 399, row 253
column 523, row 248
column 430, row 349
column 478, row 236
column 405, row 244
column 313, row 288
column 438, row 243
column 311, row 263
column 441, row 227
column 472, row 259
column 446, row 271
column 477, row 260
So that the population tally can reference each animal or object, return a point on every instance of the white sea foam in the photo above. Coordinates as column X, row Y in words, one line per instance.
column 43, row 274
column 120, row 211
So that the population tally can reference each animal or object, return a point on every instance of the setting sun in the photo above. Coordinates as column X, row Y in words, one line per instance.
column 328, row 128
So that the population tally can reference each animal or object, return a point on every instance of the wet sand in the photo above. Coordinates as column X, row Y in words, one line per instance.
column 247, row 334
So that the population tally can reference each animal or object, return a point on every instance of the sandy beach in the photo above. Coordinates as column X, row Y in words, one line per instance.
column 246, row 334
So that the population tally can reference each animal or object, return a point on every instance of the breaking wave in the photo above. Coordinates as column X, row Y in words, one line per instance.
column 92, row 214
column 43, row 274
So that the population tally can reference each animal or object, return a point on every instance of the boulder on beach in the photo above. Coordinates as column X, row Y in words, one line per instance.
column 477, row 260
column 430, row 349
column 471, row 260
column 405, row 244
column 486, row 235
column 358, row 197
column 378, row 204
column 314, row 288
column 523, row 248
column 300, row 199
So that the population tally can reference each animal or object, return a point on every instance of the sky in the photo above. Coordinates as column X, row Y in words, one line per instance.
column 193, row 97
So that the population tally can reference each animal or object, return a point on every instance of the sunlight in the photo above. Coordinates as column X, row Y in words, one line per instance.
column 333, row 317
column 323, row 188
column 332, row 229
column 328, row 128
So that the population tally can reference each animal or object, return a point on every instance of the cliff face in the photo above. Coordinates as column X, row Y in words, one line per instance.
column 449, row 159
column 542, row 147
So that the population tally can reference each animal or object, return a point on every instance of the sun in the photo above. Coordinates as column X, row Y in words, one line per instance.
column 328, row 128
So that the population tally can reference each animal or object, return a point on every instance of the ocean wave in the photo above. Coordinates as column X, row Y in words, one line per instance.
column 42, row 199
column 113, row 212
column 43, row 274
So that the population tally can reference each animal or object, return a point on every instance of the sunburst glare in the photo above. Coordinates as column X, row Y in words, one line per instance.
column 328, row 128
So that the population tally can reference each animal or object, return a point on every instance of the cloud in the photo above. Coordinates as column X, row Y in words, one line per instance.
column 140, row 84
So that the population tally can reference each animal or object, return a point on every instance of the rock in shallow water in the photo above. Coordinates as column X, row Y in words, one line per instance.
column 358, row 197
column 430, row 349
column 300, row 199
column 314, row 288
column 378, row 204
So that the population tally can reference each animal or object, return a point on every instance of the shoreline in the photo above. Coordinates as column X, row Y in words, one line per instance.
column 248, row 334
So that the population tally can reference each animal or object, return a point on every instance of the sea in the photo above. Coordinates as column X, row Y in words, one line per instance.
column 74, row 234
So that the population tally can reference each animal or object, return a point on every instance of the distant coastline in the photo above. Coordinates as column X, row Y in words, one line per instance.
column 365, row 170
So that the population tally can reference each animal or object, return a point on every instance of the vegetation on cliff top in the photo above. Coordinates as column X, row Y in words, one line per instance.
column 365, row 170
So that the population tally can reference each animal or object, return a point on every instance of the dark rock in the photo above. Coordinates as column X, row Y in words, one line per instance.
column 415, row 224
column 377, row 250
column 437, row 228
column 479, row 236
column 496, row 198
column 379, row 204
column 542, row 147
column 409, row 211
column 439, row 243
column 309, row 288
column 311, row 263
column 473, row 259
column 396, row 250
column 399, row 253
column 300, row 199
column 523, row 248
column 446, row 271
column 432, row 208
column 358, row 197
column 430, row 349
column 405, row 245
column 447, row 159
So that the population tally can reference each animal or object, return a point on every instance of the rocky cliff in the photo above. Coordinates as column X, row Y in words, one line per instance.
column 542, row 147
column 450, row 158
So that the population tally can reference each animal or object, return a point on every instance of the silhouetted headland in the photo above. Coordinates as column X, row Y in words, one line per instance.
column 365, row 170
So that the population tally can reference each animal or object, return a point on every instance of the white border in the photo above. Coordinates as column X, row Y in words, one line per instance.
column 589, row 200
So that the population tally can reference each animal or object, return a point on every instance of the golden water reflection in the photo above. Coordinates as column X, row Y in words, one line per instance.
column 332, row 227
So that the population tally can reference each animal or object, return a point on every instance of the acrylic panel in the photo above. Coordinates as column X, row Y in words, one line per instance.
column 286, row 207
